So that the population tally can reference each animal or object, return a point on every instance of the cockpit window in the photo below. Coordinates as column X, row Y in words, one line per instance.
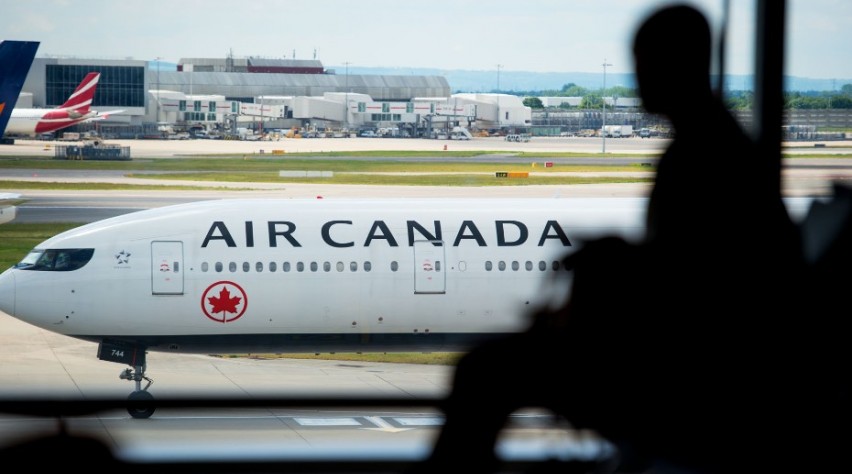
column 56, row 260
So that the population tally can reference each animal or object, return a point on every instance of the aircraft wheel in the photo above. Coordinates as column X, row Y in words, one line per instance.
column 141, row 411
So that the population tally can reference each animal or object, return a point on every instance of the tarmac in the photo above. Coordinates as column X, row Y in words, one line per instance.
column 814, row 179
column 494, row 145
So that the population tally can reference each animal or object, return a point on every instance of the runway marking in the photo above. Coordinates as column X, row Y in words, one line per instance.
column 419, row 421
column 327, row 421
column 383, row 425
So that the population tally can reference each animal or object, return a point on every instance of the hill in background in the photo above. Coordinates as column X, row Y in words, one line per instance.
column 486, row 81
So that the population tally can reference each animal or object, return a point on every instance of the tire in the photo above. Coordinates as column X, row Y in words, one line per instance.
column 141, row 412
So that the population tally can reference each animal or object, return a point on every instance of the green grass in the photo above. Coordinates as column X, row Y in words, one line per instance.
column 473, row 180
column 19, row 239
column 257, row 163
column 60, row 186
column 440, row 172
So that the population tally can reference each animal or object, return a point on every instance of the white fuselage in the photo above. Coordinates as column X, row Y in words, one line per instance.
column 34, row 121
column 314, row 275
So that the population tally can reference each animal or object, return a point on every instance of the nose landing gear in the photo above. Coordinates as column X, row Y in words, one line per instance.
column 140, row 400
column 137, row 407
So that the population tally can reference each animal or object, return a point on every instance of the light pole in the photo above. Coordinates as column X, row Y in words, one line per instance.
column 603, row 100
column 157, row 60
column 498, row 76
column 346, row 101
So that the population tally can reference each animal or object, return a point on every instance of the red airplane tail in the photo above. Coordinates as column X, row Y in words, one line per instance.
column 81, row 100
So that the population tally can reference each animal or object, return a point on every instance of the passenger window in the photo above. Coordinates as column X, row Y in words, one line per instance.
column 515, row 265
column 272, row 266
column 205, row 267
column 314, row 266
column 246, row 266
column 219, row 267
column 232, row 267
column 368, row 266
column 285, row 266
column 489, row 266
column 258, row 267
column 394, row 266
column 300, row 267
column 326, row 266
column 353, row 266
column 501, row 265
column 528, row 266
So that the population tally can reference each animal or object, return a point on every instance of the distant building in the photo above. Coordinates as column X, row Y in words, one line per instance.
column 251, row 65
column 227, row 93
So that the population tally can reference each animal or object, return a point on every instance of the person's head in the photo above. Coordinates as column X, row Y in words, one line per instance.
column 671, row 50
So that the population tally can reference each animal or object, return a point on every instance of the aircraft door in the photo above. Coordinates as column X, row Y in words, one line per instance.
column 429, row 267
column 166, row 268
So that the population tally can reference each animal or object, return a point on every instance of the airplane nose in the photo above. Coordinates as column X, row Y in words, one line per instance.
column 7, row 292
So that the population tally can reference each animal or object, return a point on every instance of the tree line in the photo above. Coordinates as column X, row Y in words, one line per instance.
column 735, row 99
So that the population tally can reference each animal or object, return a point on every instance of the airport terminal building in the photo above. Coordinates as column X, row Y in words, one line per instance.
column 249, row 95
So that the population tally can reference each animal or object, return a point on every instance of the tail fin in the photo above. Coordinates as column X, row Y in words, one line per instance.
column 81, row 100
column 16, row 57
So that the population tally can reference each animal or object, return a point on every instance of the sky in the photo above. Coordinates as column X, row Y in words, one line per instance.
column 535, row 35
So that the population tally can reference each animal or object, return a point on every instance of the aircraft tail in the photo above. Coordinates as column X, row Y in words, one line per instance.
column 81, row 100
column 16, row 57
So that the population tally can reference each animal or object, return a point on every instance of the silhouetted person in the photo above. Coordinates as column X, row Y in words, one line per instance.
column 685, row 350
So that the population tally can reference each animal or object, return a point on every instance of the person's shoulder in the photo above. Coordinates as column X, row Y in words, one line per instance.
column 601, row 250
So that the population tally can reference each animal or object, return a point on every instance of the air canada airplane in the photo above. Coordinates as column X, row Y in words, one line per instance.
column 75, row 110
column 312, row 275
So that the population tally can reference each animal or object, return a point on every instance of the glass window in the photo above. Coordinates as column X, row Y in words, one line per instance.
column 58, row 260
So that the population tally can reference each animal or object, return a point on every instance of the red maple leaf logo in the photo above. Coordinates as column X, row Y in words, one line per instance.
column 224, row 308
column 224, row 302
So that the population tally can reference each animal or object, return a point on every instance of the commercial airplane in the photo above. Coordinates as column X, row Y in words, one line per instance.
column 16, row 57
column 323, row 275
column 75, row 110
column 8, row 211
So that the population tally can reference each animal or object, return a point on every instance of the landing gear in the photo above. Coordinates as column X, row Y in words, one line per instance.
column 141, row 401
column 137, row 409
